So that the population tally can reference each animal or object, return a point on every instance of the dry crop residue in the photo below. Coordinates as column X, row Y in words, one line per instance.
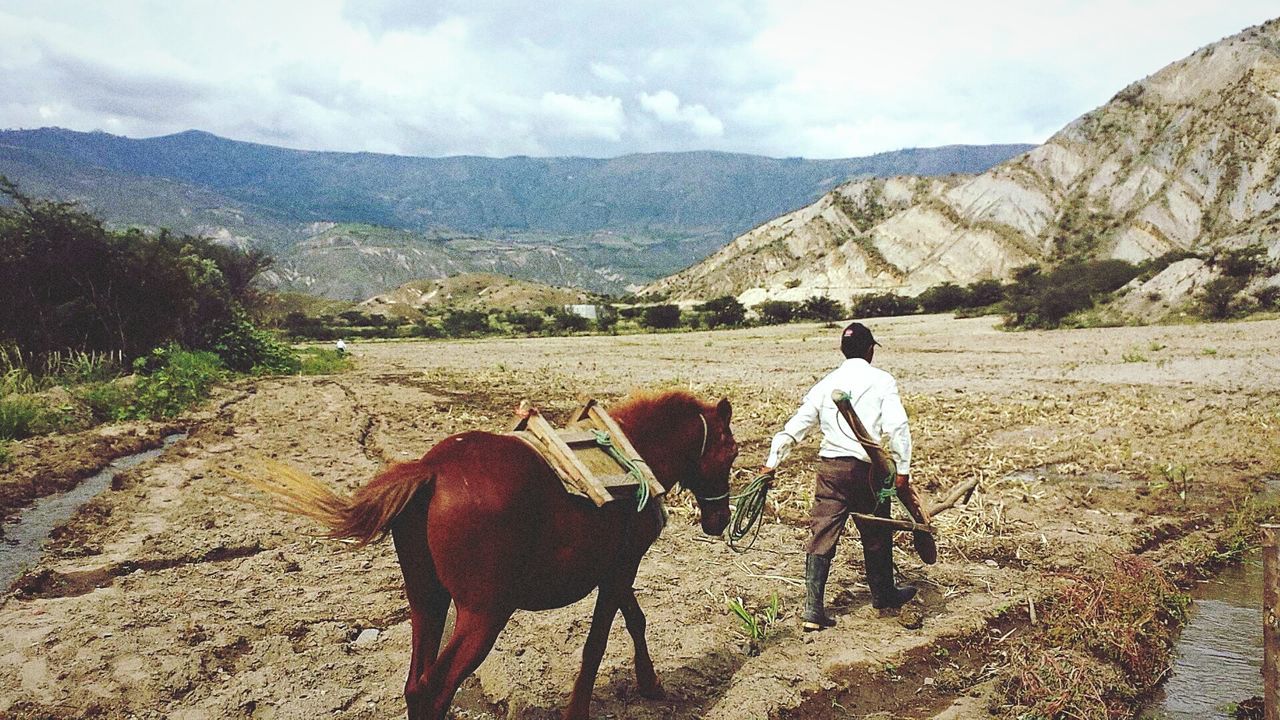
column 176, row 601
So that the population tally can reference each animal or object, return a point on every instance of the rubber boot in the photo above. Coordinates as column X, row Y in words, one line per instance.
column 816, row 568
column 878, row 557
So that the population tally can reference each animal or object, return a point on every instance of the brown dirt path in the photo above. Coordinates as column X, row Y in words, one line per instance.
column 167, row 599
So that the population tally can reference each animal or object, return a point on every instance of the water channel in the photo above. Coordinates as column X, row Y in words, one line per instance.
column 1219, row 653
column 25, row 535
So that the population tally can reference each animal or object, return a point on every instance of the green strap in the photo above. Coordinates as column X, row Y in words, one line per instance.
column 633, row 470
column 887, row 492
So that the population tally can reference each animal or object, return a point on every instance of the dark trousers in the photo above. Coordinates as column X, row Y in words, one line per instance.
column 844, row 485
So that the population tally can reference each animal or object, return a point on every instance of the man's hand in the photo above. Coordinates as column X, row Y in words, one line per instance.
column 766, row 470
column 901, row 481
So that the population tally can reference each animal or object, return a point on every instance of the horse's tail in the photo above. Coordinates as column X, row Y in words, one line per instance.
column 364, row 517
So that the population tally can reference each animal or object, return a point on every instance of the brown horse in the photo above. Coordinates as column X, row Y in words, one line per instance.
column 482, row 521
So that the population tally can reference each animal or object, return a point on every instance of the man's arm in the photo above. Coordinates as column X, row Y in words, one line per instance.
column 793, row 432
column 893, row 422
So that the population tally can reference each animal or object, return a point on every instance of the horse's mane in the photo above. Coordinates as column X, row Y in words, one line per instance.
column 672, row 404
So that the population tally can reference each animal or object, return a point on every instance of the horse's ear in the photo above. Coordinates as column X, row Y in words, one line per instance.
column 725, row 409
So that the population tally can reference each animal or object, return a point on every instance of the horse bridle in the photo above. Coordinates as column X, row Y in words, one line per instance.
column 706, row 431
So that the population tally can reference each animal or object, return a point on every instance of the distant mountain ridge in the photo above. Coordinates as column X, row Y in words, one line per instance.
column 1186, row 159
column 618, row 222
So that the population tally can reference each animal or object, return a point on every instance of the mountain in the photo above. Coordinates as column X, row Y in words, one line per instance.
column 1186, row 159
column 471, row 291
column 604, row 224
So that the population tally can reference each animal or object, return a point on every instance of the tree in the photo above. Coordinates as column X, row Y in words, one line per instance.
column 527, row 322
column 983, row 293
column 567, row 322
column 884, row 305
column 776, row 312
column 661, row 317
column 723, row 311
column 67, row 282
column 1219, row 298
column 942, row 298
column 606, row 318
column 820, row 307
column 464, row 323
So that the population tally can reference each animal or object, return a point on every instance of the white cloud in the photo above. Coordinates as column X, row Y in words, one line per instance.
column 666, row 107
column 821, row 78
column 609, row 73
column 587, row 115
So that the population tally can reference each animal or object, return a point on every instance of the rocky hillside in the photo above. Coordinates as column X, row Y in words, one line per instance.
column 471, row 291
column 1188, row 158
column 603, row 224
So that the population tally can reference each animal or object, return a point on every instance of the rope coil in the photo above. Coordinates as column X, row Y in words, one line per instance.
column 747, row 512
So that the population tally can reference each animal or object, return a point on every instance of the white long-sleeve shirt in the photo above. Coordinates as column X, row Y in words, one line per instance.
column 875, row 398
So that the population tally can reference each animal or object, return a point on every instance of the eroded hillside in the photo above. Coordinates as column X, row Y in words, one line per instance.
column 1185, row 159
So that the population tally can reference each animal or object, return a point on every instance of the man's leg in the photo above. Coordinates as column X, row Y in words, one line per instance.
column 877, row 553
column 826, row 521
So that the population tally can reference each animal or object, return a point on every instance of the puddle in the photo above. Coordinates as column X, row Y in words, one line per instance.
column 24, row 537
column 1219, row 654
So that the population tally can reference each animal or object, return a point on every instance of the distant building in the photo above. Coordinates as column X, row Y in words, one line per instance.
column 590, row 312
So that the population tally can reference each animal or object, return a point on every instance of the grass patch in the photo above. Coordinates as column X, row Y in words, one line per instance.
column 1107, row 637
column 324, row 361
column 18, row 416
column 6, row 453
column 108, row 401
column 1199, row 555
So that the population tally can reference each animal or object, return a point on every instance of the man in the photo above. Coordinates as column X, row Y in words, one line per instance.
column 845, row 481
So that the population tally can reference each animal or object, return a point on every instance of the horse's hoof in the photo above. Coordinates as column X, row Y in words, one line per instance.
column 652, row 692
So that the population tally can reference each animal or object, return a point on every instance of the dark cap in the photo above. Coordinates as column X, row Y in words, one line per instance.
column 855, row 340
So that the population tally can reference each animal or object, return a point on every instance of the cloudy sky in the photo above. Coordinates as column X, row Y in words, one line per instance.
column 812, row 78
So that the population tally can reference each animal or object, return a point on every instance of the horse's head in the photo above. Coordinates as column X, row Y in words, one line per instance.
column 685, row 441
column 715, row 460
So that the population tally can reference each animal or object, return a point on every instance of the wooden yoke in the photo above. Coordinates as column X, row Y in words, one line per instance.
column 883, row 466
column 583, row 465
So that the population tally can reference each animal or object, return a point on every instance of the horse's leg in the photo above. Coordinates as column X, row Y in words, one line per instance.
column 646, row 678
column 607, row 602
column 428, row 601
column 474, row 633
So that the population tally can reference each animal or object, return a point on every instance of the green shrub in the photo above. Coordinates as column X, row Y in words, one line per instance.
column 820, row 307
column 526, row 322
column 883, row 305
column 606, row 318
column 181, row 379
column 1268, row 297
column 324, row 361
column 724, row 311
column 983, row 293
column 1219, row 298
column 567, row 322
column 661, row 317
column 466, row 323
column 777, row 312
column 68, row 281
column 1043, row 299
column 108, row 401
column 17, row 416
column 6, row 453
column 245, row 348
column 1242, row 262
column 942, row 298
column 425, row 329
